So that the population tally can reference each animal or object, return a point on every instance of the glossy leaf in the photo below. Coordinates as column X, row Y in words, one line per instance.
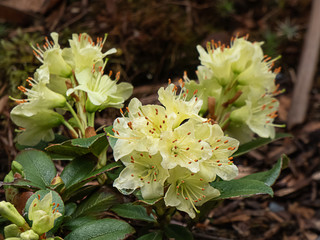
column 241, row 188
column 80, row 146
column 84, row 178
column 157, row 235
column 177, row 232
column 259, row 142
column 128, row 210
column 270, row 176
column 74, row 223
column 95, row 204
column 101, row 230
column 77, row 170
column 37, row 166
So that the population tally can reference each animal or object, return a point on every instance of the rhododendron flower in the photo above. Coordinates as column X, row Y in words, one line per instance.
column 43, row 213
column 233, row 77
column 51, row 55
column 222, row 147
column 39, row 96
column 181, row 147
column 258, row 115
column 178, row 103
column 144, row 126
column 84, row 52
column 142, row 171
column 102, row 91
column 188, row 190
column 35, row 127
column 35, row 114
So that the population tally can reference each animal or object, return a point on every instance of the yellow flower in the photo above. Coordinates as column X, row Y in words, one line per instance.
column 188, row 190
column 142, row 171
column 42, row 213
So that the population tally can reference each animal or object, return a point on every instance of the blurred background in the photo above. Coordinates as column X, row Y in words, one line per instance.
column 156, row 40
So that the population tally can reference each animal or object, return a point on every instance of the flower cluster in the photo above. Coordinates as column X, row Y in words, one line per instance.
column 42, row 213
column 171, row 151
column 237, row 85
column 68, row 77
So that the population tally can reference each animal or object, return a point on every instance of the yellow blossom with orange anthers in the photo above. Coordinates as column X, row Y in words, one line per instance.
column 171, row 140
column 237, row 77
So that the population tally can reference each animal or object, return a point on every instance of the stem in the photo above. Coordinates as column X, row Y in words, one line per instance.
column 76, row 118
column 70, row 128
column 25, row 227
column 91, row 119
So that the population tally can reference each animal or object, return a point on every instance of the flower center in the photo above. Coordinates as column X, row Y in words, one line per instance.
column 191, row 192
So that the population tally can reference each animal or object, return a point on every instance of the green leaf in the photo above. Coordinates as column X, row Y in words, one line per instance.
column 79, row 194
column 80, row 146
column 128, row 210
column 241, row 188
column 101, row 230
column 77, row 170
column 177, row 232
column 157, row 235
column 70, row 208
column 74, row 223
column 85, row 178
column 37, row 166
column 95, row 204
column 112, row 140
column 270, row 176
column 55, row 199
column 247, row 147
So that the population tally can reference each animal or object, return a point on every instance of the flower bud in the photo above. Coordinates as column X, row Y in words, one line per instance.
column 17, row 168
column 29, row 235
column 8, row 211
column 11, row 230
